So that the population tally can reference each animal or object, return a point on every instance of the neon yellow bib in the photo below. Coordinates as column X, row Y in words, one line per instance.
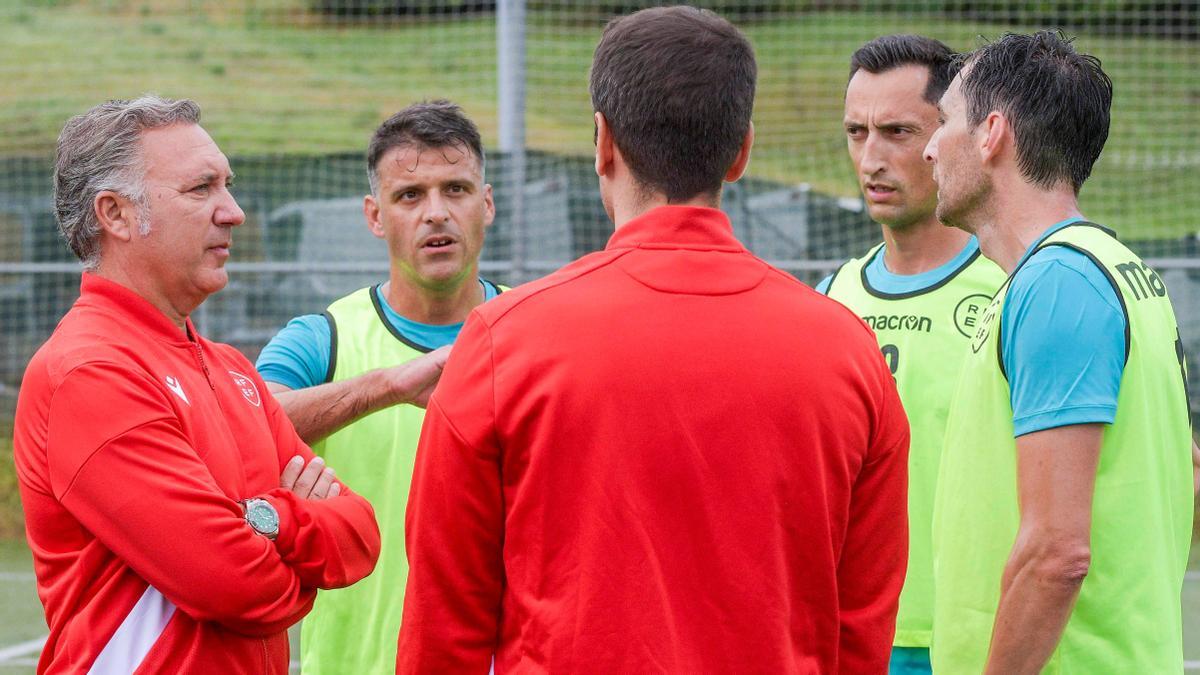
column 1127, row 617
column 354, row 629
column 924, row 337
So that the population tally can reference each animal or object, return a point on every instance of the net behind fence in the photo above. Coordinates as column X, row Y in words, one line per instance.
column 292, row 89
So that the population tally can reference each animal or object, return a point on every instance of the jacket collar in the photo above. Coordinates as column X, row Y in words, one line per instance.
column 131, row 309
column 692, row 227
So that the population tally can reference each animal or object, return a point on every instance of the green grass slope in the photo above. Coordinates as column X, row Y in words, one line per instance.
column 274, row 79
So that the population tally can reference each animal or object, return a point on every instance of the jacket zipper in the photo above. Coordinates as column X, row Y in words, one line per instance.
column 204, row 366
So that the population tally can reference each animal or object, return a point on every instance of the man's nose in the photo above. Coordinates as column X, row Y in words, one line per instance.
column 874, row 156
column 228, row 212
column 931, row 147
column 436, row 208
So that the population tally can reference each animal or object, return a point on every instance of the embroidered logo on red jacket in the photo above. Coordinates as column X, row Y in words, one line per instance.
column 246, row 385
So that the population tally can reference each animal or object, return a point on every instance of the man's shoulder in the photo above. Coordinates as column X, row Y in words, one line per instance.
column 1055, row 269
column 358, row 298
column 823, row 315
column 541, row 294
column 848, row 268
column 81, row 340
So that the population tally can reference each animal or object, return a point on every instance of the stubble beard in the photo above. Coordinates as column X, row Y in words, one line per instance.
column 962, row 210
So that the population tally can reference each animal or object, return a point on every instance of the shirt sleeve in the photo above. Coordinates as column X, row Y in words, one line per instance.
column 1062, row 343
column 136, row 483
column 298, row 356
column 875, row 551
column 454, row 526
column 328, row 543
column 823, row 285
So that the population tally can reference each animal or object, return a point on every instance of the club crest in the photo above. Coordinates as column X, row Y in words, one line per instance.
column 247, row 387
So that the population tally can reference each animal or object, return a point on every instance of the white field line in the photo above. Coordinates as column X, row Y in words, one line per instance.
column 17, row 576
column 7, row 654
column 1191, row 665
column 1191, row 575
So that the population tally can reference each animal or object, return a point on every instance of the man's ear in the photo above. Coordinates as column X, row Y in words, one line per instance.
column 489, row 205
column 371, row 213
column 605, row 149
column 742, row 160
column 117, row 215
column 997, row 135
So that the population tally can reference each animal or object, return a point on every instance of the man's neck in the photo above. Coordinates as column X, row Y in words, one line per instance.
column 1016, row 221
column 114, row 269
column 631, row 206
column 921, row 247
column 433, row 307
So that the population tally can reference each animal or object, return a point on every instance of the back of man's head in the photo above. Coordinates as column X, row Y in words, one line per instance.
column 676, row 87
column 101, row 150
column 1056, row 99
column 431, row 124
column 894, row 51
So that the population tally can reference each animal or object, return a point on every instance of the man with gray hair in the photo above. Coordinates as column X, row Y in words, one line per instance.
column 178, row 523
column 354, row 380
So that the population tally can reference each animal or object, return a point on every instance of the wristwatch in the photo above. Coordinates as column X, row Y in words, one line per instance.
column 262, row 517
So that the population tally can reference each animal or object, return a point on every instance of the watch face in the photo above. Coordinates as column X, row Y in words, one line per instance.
column 262, row 516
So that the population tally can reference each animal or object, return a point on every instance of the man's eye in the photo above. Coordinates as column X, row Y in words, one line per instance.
column 854, row 132
column 201, row 188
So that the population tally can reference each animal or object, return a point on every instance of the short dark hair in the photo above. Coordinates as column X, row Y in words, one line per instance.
column 429, row 124
column 676, row 85
column 893, row 51
column 1056, row 99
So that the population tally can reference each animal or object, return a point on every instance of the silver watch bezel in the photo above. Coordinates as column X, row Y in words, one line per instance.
column 258, row 505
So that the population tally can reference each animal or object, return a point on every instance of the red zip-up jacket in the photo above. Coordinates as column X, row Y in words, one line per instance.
column 133, row 447
column 668, row 457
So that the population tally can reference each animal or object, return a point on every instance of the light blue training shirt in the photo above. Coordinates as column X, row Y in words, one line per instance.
column 1062, row 339
column 1062, row 333
column 884, row 280
column 298, row 355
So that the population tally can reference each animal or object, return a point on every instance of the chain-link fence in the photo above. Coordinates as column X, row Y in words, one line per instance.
column 292, row 89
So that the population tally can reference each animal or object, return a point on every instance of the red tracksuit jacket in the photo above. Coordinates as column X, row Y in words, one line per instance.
column 666, row 457
column 133, row 446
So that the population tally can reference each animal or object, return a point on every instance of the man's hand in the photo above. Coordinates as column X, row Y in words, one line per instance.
column 314, row 481
column 1195, row 468
column 413, row 381
column 319, row 411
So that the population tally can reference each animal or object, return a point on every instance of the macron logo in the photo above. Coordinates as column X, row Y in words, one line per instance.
column 173, row 385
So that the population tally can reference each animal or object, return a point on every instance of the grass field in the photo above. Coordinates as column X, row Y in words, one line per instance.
column 273, row 79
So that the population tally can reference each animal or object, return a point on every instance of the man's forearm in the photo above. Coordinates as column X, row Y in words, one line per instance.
column 1036, row 599
column 318, row 411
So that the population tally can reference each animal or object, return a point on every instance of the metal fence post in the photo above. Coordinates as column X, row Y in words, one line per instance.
column 510, row 60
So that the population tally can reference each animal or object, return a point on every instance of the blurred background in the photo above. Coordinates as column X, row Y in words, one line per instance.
column 292, row 89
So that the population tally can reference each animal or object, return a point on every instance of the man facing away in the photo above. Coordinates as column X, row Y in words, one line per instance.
column 178, row 523
column 355, row 379
column 1063, row 514
column 667, row 456
column 923, row 289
